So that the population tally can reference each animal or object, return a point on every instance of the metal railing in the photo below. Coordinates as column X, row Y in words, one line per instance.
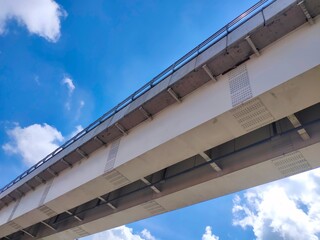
column 255, row 9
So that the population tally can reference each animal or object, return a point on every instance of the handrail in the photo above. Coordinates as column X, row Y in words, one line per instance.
column 255, row 9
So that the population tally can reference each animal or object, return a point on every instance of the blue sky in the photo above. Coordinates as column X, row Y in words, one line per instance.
column 64, row 63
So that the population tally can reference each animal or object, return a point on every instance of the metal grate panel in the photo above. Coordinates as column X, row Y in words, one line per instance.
column 112, row 156
column 14, row 225
column 80, row 231
column 116, row 178
column 47, row 211
column 252, row 115
column 291, row 163
column 239, row 83
column 153, row 207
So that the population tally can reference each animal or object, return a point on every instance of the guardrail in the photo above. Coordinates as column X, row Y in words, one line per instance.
column 255, row 9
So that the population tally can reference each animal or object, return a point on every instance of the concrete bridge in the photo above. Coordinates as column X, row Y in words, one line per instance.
column 239, row 110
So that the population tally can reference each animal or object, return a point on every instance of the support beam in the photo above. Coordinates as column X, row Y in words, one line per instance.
column 303, row 134
column 66, row 163
column 294, row 120
column 82, row 153
column 306, row 12
column 145, row 113
column 208, row 159
column 53, row 173
column 174, row 95
column 102, row 199
column 154, row 188
column 12, row 198
column 111, row 205
column 78, row 218
column 74, row 215
column 121, row 129
column 28, row 185
column 48, row 225
column 19, row 192
column 296, row 124
column 97, row 139
column 26, row 232
column 208, row 71
column 39, row 179
column 1, row 201
column 253, row 47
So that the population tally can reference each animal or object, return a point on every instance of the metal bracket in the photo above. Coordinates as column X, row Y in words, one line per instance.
column 111, row 205
column 102, row 199
column 53, row 173
column 154, row 188
column 12, row 198
column 28, row 185
column 297, row 124
column 253, row 47
column 74, row 215
column 145, row 113
column 6, row 204
column 174, row 95
column 208, row 71
column 121, row 129
column 48, row 225
column 26, row 232
column 39, row 179
column 20, row 193
column 306, row 12
column 97, row 139
column 66, row 163
column 82, row 153
column 212, row 164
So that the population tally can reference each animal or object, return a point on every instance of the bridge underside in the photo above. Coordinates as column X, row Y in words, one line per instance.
column 278, row 149
column 257, row 123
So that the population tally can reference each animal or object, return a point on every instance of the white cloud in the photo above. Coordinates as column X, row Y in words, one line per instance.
column 286, row 209
column 79, row 110
column 68, row 81
column 123, row 233
column 78, row 129
column 33, row 142
column 147, row 235
column 71, row 87
column 208, row 235
column 40, row 17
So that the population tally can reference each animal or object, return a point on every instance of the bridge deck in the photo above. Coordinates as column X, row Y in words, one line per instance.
column 231, row 131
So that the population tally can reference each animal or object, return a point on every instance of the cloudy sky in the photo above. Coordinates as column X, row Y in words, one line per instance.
column 65, row 63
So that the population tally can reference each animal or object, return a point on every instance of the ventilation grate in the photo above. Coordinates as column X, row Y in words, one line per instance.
column 291, row 163
column 47, row 211
column 116, row 178
column 252, row 115
column 239, row 84
column 14, row 225
column 153, row 207
column 80, row 231
column 112, row 156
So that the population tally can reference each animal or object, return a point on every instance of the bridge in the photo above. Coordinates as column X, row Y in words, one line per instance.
column 239, row 110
